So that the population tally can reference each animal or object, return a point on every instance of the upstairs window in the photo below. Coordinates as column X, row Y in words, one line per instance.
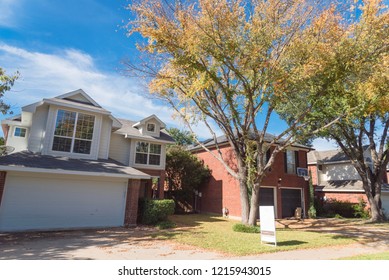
column 291, row 162
column 151, row 127
column 147, row 153
column 73, row 132
column 20, row 132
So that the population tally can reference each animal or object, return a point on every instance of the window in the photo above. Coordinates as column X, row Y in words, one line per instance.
column 147, row 153
column 73, row 132
column 20, row 132
column 290, row 162
column 151, row 127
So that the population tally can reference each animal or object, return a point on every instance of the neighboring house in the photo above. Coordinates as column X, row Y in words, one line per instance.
column 75, row 165
column 334, row 177
column 282, row 187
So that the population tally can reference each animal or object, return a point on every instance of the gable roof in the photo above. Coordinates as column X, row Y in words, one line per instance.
column 129, row 130
column 30, row 162
column 327, row 156
column 221, row 140
column 80, row 100
column 142, row 122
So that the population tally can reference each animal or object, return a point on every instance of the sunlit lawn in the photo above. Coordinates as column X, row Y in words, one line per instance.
column 376, row 256
column 216, row 234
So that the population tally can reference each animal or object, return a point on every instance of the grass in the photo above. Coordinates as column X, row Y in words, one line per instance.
column 376, row 256
column 216, row 234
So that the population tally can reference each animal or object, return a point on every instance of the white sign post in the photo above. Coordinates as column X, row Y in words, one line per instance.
column 268, row 224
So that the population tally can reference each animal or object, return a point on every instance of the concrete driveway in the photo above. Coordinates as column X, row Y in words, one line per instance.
column 139, row 244
column 107, row 244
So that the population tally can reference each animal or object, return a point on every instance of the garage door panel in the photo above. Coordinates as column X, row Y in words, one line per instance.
column 48, row 203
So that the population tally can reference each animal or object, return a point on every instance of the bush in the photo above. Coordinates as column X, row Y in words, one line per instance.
column 360, row 210
column 166, row 225
column 339, row 209
column 154, row 211
column 245, row 228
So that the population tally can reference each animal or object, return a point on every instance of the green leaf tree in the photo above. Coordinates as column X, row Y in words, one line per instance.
column 227, row 63
column 351, row 66
column 181, row 137
column 184, row 174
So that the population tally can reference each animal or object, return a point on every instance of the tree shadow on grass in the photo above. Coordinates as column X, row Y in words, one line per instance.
column 291, row 243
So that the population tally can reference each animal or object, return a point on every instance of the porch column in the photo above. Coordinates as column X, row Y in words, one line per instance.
column 131, row 212
column 2, row 183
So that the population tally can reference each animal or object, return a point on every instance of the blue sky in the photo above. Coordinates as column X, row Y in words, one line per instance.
column 59, row 46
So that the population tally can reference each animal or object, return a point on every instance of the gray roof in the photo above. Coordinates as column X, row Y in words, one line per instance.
column 327, row 156
column 26, row 160
column 346, row 185
column 223, row 140
column 128, row 129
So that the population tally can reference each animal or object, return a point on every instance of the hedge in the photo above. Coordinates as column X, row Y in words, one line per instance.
column 154, row 211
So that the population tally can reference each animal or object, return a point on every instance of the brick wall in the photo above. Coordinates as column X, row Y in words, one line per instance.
column 131, row 212
column 313, row 170
column 2, row 184
column 222, row 190
column 157, row 173
column 352, row 197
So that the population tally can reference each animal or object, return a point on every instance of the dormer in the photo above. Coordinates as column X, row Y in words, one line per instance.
column 151, row 126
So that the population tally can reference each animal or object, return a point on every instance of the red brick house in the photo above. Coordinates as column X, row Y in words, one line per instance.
column 335, row 178
column 282, row 187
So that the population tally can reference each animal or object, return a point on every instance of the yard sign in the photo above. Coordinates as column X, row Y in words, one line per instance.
column 268, row 225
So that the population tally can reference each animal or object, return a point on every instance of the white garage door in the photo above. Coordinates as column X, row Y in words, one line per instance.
column 49, row 202
column 385, row 202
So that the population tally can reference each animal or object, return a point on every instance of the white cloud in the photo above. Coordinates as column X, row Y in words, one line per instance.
column 8, row 10
column 45, row 75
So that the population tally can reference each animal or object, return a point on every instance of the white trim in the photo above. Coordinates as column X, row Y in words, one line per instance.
column 146, row 139
column 71, row 172
column 78, row 107
column 79, row 91
column 20, row 127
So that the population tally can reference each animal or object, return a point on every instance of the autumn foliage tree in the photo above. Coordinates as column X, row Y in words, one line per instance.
column 230, row 63
column 352, row 66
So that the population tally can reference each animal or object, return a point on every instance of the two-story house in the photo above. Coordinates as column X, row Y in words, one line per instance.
column 74, row 165
column 281, row 188
column 335, row 178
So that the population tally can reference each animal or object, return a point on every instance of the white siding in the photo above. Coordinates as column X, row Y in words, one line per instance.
column 38, row 129
column 18, row 143
column 42, row 201
column 105, row 137
column 119, row 148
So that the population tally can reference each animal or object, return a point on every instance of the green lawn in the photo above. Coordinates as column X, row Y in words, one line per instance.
column 216, row 234
column 377, row 256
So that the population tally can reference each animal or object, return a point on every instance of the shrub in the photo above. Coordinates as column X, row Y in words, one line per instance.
column 360, row 210
column 154, row 211
column 166, row 225
column 245, row 228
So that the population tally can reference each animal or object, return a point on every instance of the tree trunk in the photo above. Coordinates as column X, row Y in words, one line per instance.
column 374, row 202
column 254, row 207
column 244, row 197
